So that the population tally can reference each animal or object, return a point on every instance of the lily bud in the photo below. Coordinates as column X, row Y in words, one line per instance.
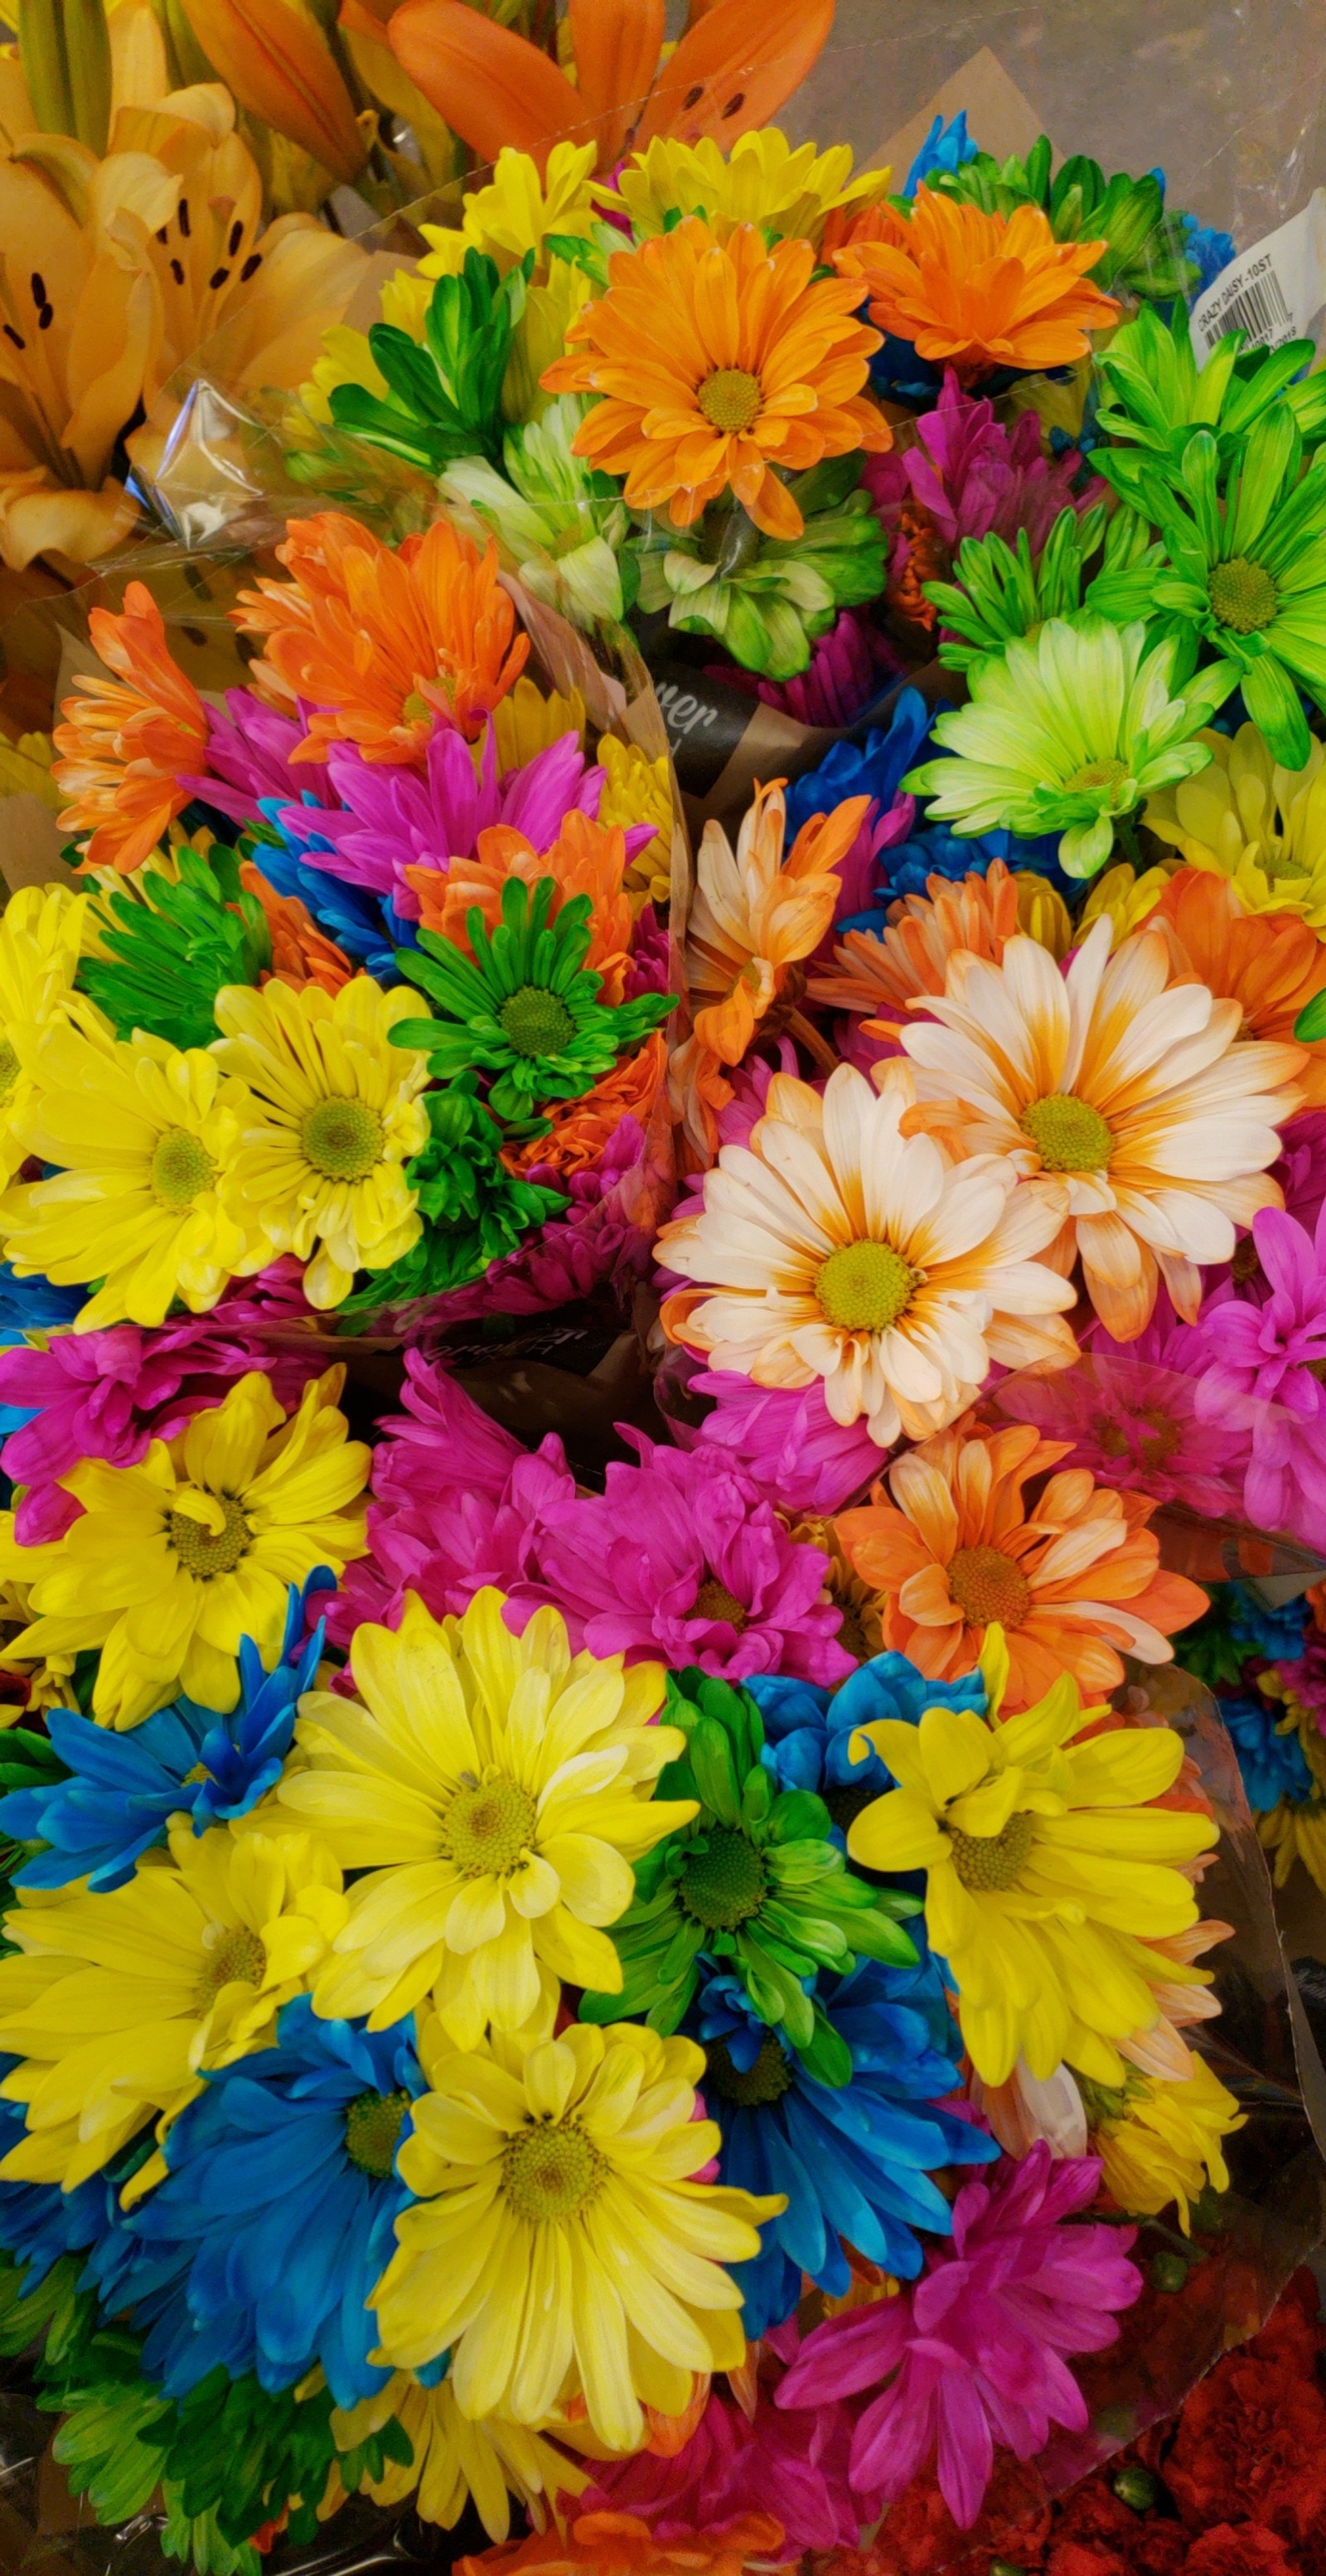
column 275, row 60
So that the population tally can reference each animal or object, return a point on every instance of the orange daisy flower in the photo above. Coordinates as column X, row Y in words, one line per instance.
column 380, row 641
column 975, row 291
column 586, row 858
column 884, row 972
column 720, row 361
column 128, row 743
column 581, row 1128
column 619, row 2544
column 756, row 913
column 1270, row 963
column 1070, row 1578
column 301, row 953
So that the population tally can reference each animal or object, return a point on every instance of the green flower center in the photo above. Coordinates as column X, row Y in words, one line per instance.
column 985, row 1862
column 536, row 1022
column 549, row 2172
column 206, row 1553
column 987, row 1585
column 372, row 2131
column 488, row 1827
column 714, row 1601
column 1244, row 595
column 766, row 2081
column 342, row 1139
column 865, row 1287
column 8, row 1068
column 239, row 1960
column 1096, row 775
column 181, row 1168
column 1068, row 1134
column 730, row 399
column 723, row 1881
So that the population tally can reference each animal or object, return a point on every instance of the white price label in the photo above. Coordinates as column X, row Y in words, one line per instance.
column 1274, row 293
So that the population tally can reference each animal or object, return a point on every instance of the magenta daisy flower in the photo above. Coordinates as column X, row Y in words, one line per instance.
column 1266, row 1351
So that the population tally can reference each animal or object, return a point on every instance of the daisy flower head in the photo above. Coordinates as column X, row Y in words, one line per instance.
column 720, row 360
column 117, row 2005
column 1124, row 1096
column 1073, row 1579
column 172, row 1563
column 624, row 2544
column 42, row 930
column 757, row 911
column 523, row 1006
column 1271, row 964
column 331, row 1116
column 128, row 743
column 559, row 2244
column 978, row 291
column 763, row 180
column 494, row 1790
column 379, row 641
column 145, row 1138
column 1067, row 732
column 835, row 1247
column 880, row 972
column 1161, row 2143
column 1048, row 1861
column 1248, row 818
column 455, row 2462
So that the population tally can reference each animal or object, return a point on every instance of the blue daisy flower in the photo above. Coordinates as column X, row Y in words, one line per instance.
column 1274, row 1631
column 186, row 1760
column 39, row 2221
column 1274, row 1766
column 855, row 2160
column 946, row 147
column 808, row 1730
column 870, row 768
column 282, row 2194
column 34, row 1305
column 1211, row 250
column 356, row 920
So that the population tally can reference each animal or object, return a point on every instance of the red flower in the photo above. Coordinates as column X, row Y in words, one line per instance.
column 1096, row 2534
column 1292, row 2333
column 1239, row 2549
column 919, row 2535
column 1251, row 2444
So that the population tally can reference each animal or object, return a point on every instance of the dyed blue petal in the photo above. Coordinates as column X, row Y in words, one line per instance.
column 946, row 147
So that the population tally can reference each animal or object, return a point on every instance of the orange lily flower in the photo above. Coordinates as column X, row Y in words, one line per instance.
column 382, row 641
column 756, row 914
column 736, row 64
column 1270, row 963
column 586, row 858
column 975, row 291
column 127, row 742
column 581, row 1128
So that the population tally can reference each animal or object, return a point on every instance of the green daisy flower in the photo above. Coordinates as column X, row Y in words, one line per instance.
column 754, row 1880
column 170, row 946
column 1157, row 395
column 448, row 390
column 1246, row 569
column 525, row 1007
column 1068, row 733
column 474, row 1210
column 561, row 522
column 768, row 599
column 997, row 592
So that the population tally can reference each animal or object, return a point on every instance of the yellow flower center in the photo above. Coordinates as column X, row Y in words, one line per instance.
column 714, row 1601
column 988, row 1862
column 181, row 1169
column 1096, row 774
column 550, row 2171
column 8, row 1068
column 766, row 2081
column 1068, row 1134
column 342, row 1139
column 238, row 1960
column 987, row 1585
column 372, row 2131
column 487, row 1828
column 1244, row 595
column 730, row 399
column 723, row 1882
column 535, row 1021
column 193, row 1779
column 865, row 1287
column 205, row 1553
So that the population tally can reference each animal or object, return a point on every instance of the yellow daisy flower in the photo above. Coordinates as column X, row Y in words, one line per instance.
column 551, row 305
column 517, row 210
column 1044, row 1861
column 1161, row 2142
column 1128, row 898
column 1246, row 818
column 47, row 1677
column 762, row 181
column 175, row 1560
column 526, row 722
column 144, row 1136
column 116, row 2004
column 496, row 1790
column 639, row 790
column 41, row 932
column 333, row 1113
column 559, row 2244
column 456, row 2462
column 1289, row 1833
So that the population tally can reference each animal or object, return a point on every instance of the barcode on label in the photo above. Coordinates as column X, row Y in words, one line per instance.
column 1260, row 310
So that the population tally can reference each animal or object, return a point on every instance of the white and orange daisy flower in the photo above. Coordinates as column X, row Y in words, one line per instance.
column 1118, row 1087
column 836, row 1247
